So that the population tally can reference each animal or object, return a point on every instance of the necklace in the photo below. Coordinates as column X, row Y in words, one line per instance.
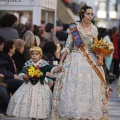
column 85, row 27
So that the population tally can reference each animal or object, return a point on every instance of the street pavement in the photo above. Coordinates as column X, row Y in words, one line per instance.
column 114, row 106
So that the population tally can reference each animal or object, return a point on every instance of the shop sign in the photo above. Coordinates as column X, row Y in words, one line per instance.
column 48, row 3
column 17, row 2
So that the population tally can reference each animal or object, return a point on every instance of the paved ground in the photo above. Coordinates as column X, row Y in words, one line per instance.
column 114, row 106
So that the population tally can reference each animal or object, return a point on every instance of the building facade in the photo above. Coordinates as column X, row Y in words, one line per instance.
column 106, row 12
column 38, row 11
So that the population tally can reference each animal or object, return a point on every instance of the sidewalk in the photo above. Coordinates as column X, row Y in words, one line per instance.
column 114, row 105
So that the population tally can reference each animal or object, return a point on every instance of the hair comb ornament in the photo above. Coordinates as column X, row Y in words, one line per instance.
column 82, row 10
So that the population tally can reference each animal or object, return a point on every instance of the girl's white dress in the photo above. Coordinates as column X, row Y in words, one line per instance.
column 78, row 91
column 32, row 101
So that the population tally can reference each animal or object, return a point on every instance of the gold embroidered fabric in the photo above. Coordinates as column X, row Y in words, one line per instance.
column 78, row 91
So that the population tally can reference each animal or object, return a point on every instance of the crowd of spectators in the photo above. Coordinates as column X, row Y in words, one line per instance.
column 15, row 43
column 111, row 65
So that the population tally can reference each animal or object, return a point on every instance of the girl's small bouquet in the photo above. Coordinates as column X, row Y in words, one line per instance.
column 34, row 73
column 102, row 49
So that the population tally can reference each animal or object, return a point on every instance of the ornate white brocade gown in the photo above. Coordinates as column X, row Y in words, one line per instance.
column 32, row 101
column 78, row 91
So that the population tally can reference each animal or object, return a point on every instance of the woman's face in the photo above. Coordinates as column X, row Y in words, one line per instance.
column 44, row 34
column 21, row 49
column 57, row 53
column 88, row 16
column 32, row 41
column 35, row 56
column 52, row 30
column 12, row 50
column 1, row 46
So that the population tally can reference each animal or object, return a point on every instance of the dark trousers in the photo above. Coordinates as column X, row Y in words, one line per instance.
column 4, row 99
column 13, row 84
column 116, row 67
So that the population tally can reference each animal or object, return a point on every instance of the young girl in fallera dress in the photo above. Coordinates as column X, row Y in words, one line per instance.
column 33, row 101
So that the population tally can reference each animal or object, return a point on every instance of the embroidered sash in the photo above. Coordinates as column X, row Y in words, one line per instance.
column 79, row 43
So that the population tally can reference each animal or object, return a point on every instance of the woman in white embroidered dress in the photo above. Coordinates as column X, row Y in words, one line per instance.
column 79, row 93
column 33, row 98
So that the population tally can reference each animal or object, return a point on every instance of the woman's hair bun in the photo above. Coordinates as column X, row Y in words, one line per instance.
column 83, row 5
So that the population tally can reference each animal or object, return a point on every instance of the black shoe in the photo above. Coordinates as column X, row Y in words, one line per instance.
column 111, row 79
column 33, row 118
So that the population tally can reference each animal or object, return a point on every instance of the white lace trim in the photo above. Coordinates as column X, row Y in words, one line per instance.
column 65, row 49
column 52, row 74
column 41, row 63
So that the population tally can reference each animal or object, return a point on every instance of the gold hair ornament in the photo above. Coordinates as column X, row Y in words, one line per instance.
column 38, row 49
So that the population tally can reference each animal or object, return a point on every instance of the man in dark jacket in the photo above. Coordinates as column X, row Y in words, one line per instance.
column 63, row 35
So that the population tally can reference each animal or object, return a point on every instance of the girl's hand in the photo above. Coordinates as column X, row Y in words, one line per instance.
column 25, row 76
column 48, row 74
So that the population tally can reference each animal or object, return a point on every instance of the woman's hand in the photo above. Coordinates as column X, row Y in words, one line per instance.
column 25, row 76
column 1, row 76
column 4, row 85
column 59, row 68
column 16, row 77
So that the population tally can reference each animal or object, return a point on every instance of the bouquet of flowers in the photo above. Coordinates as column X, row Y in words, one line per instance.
column 34, row 73
column 102, row 49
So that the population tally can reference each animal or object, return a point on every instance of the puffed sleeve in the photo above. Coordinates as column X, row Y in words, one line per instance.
column 48, row 68
column 95, row 32
column 68, row 44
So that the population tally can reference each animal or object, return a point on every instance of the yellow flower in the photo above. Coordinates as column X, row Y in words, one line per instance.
column 101, row 49
column 32, row 68
column 34, row 72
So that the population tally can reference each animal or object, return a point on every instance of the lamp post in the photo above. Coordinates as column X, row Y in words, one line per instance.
column 118, row 11
column 107, row 10
column 108, row 20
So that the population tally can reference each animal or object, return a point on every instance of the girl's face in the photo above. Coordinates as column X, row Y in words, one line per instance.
column 35, row 56
column 88, row 16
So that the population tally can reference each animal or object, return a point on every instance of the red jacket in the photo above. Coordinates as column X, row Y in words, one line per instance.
column 116, row 50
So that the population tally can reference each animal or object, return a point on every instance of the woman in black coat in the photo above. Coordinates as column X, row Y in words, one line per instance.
column 10, row 78
column 18, row 56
